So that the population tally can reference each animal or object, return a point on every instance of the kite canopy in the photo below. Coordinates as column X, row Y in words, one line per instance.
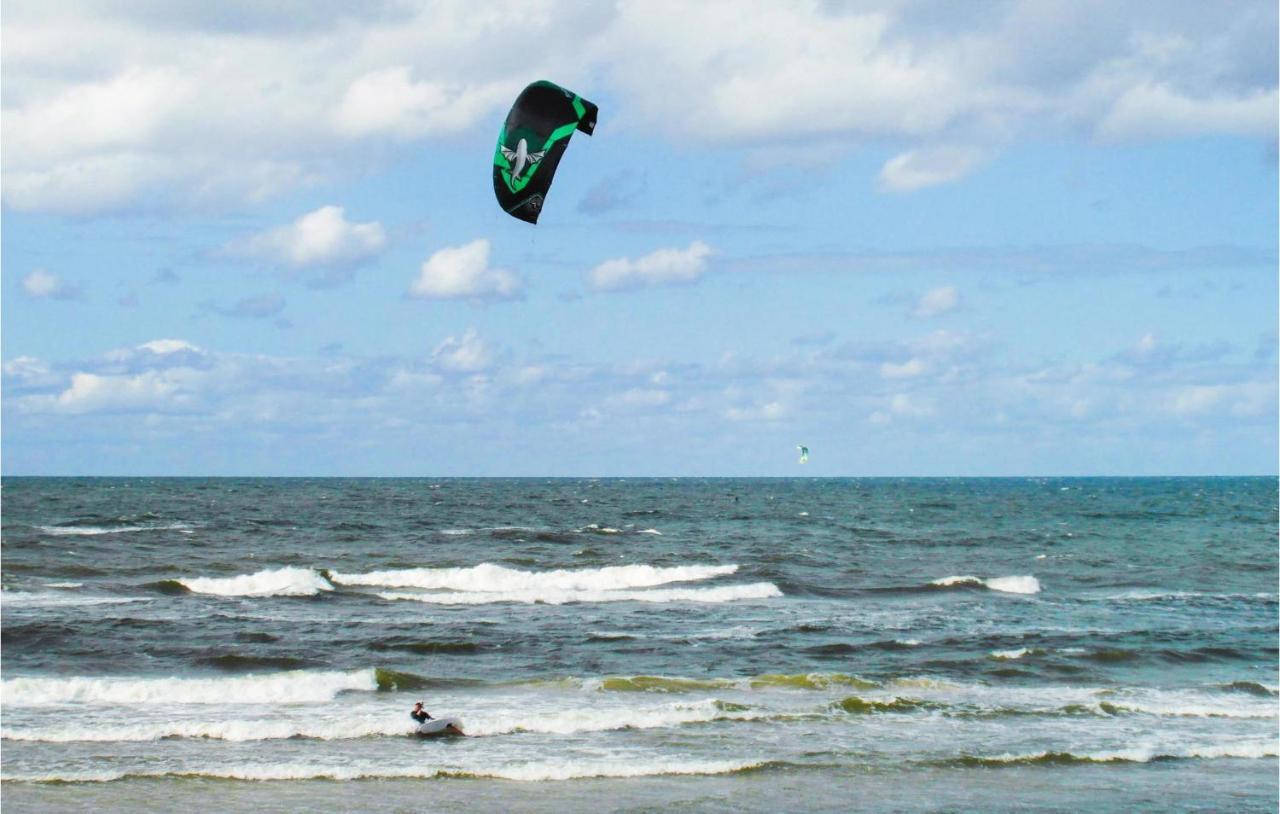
column 804, row 453
column 533, row 138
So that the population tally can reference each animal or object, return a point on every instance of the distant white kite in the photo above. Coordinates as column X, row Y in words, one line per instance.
column 804, row 453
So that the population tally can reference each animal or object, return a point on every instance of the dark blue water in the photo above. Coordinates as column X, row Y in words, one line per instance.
column 860, row 642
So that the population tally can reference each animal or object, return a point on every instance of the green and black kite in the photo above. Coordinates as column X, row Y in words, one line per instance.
column 533, row 138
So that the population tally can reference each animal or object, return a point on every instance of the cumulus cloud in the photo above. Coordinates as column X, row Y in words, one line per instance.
column 662, row 267
column 390, row 102
column 937, row 301
column 906, row 370
column 465, row 354
column 110, row 106
column 29, row 371
column 899, row 406
column 916, row 169
column 768, row 411
column 323, row 239
column 44, row 285
column 648, row 409
column 145, row 392
column 463, row 272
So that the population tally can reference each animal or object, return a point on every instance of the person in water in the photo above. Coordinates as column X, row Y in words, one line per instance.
column 419, row 714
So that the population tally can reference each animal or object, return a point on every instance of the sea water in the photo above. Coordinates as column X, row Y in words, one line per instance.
column 640, row 645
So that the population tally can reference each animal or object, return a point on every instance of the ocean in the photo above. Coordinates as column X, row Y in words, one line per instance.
column 693, row 645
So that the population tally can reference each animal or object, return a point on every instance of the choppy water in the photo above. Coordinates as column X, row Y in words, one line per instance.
column 989, row 644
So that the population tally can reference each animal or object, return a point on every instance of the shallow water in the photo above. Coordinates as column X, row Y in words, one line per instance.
column 903, row 644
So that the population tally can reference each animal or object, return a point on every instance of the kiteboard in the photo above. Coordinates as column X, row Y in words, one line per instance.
column 447, row 725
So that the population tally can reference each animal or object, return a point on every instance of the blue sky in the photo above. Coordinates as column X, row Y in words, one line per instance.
column 922, row 239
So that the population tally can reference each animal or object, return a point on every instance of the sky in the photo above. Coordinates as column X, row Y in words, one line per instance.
column 917, row 237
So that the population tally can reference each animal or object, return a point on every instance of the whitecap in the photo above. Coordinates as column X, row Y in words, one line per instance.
column 1010, row 585
column 90, row 531
column 490, row 578
column 1010, row 654
column 553, row 596
column 528, row 772
column 52, row 599
column 291, row 687
column 272, row 582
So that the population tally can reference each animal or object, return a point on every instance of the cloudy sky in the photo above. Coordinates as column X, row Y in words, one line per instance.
column 919, row 237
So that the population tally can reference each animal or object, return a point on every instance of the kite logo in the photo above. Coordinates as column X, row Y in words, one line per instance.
column 521, row 158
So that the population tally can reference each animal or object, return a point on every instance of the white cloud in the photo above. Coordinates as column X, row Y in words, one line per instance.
column 323, row 238
column 467, row 354
column 662, row 267
column 937, row 301
column 1154, row 110
column 166, row 346
column 30, row 371
column 900, row 405
column 389, row 101
column 916, row 169
column 1196, row 399
column 907, row 370
column 463, row 272
column 111, row 106
column 149, row 391
column 769, row 411
column 44, row 285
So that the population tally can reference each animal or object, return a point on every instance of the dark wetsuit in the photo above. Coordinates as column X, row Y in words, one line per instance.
column 420, row 716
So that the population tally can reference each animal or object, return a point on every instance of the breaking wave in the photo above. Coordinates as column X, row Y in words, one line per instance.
column 49, row 599
column 292, row 687
column 527, row 772
column 272, row 582
column 1139, row 754
column 677, row 684
column 90, row 531
column 490, row 578
column 552, row 596
column 1009, row 585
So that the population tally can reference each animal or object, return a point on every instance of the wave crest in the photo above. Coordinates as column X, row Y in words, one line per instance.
column 552, row 596
column 271, row 582
column 291, row 687
column 1009, row 585
column 491, row 578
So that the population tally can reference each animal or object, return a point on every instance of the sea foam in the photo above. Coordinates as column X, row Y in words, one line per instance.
column 560, row 596
column 292, row 687
column 528, row 772
column 558, row 722
column 92, row 531
column 490, row 578
column 1009, row 585
column 53, row 599
column 272, row 582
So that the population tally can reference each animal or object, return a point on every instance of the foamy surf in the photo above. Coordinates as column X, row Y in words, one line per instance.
column 490, row 578
column 1008, row 585
column 352, row 727
column 54, row 599
column 524, row 772
column 292, row 687
column 272, row 582
column 93, row 531
column 725, row 593
column 1249, row 750
column 1009, row 655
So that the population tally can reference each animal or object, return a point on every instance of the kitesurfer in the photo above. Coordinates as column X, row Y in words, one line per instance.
column 419, row 714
